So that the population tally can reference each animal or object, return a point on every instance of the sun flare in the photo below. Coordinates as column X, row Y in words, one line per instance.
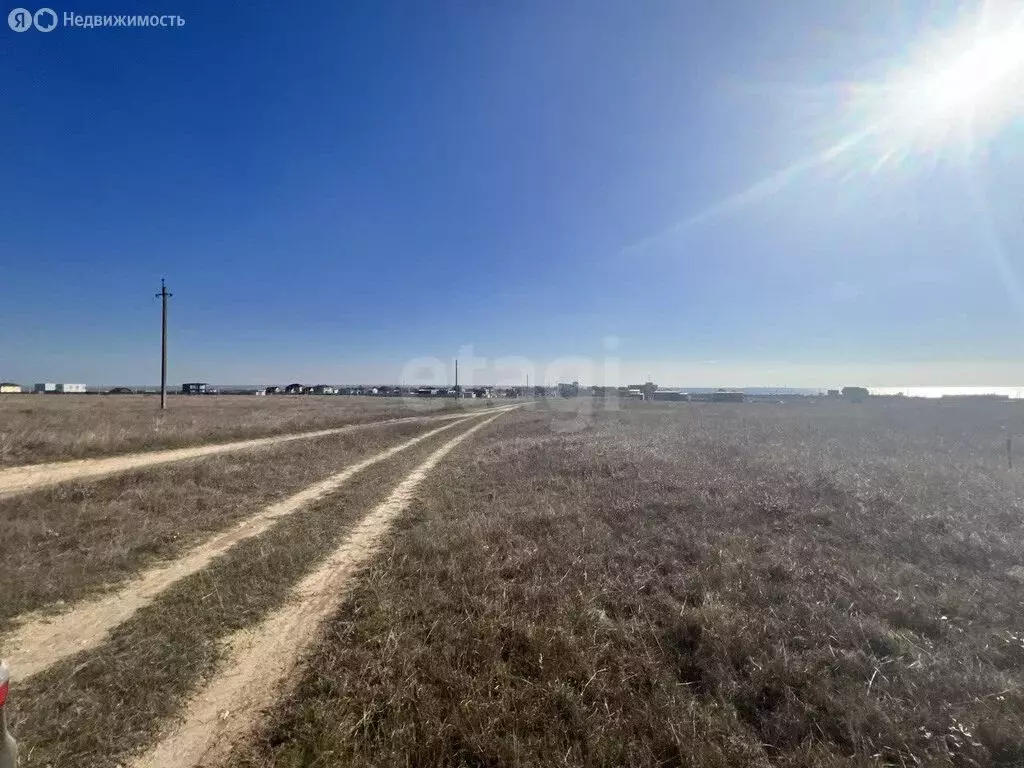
column 954, row 92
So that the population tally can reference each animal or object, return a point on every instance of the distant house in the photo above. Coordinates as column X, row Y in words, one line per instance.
column 669, row 394
column 294, row 389
column 856, row 394
column 635, row 392
column 121, row 391
column 426, row 392
column 66, row 389
column 484, row 392
column 322, row 389
column 194, row 388
column 648, row 388
column 272, row 391
column 7, row 387
column 833, row 393
column 569, row 390
column 727, row 396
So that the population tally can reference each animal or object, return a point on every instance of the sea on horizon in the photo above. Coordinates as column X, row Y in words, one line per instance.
column 1012, row 392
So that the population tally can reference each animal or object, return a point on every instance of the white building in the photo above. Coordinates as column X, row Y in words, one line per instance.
column 71, row 389
column 46, row 387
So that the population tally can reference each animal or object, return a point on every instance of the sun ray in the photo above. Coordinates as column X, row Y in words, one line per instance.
column 954, row 91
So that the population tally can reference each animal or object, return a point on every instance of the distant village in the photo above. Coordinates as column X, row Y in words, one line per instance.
column 646, row 391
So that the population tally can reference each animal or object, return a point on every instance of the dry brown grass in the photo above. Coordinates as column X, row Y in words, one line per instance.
column 63, row 543
column 688, row 586
column 95, row 709
column 36, row 428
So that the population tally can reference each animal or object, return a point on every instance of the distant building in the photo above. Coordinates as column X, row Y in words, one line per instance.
column 294, row 389
column 194, row 388
column 427, row 392
column 635, row 392
column 833, row 393
column 66, row 389
column 8, row 387
column 669, row 394
column 856, row 394
column 648, row 388
column 323, row 389
column 727, row 396
column 272, row 391
column 569, row 390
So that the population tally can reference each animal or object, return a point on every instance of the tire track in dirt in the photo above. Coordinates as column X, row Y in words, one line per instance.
column 30, row 477
column 263, row 658
column 41, row 641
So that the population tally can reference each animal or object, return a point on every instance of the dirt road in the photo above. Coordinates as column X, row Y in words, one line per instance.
column 262, row 659
column 30, row 477
column 41, row 641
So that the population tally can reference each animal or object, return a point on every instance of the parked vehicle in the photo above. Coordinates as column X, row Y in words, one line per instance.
column 8, row 747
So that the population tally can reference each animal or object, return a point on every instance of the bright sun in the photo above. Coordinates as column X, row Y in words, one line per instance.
column 973, row 79
column 951, row 94
column 958, row 91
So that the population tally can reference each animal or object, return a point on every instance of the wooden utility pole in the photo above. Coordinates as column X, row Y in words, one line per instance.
column 164, row 296
column 457, row 393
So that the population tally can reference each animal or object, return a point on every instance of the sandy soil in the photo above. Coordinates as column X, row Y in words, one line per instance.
column 263, row 658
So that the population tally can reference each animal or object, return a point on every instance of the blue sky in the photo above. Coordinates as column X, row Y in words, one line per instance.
column 337, row 190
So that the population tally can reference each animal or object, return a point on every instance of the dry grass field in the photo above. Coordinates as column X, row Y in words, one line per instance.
column 98, row 707
column 688, row 585
column 658, row 585
column 36, row 428
column 63, row 543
